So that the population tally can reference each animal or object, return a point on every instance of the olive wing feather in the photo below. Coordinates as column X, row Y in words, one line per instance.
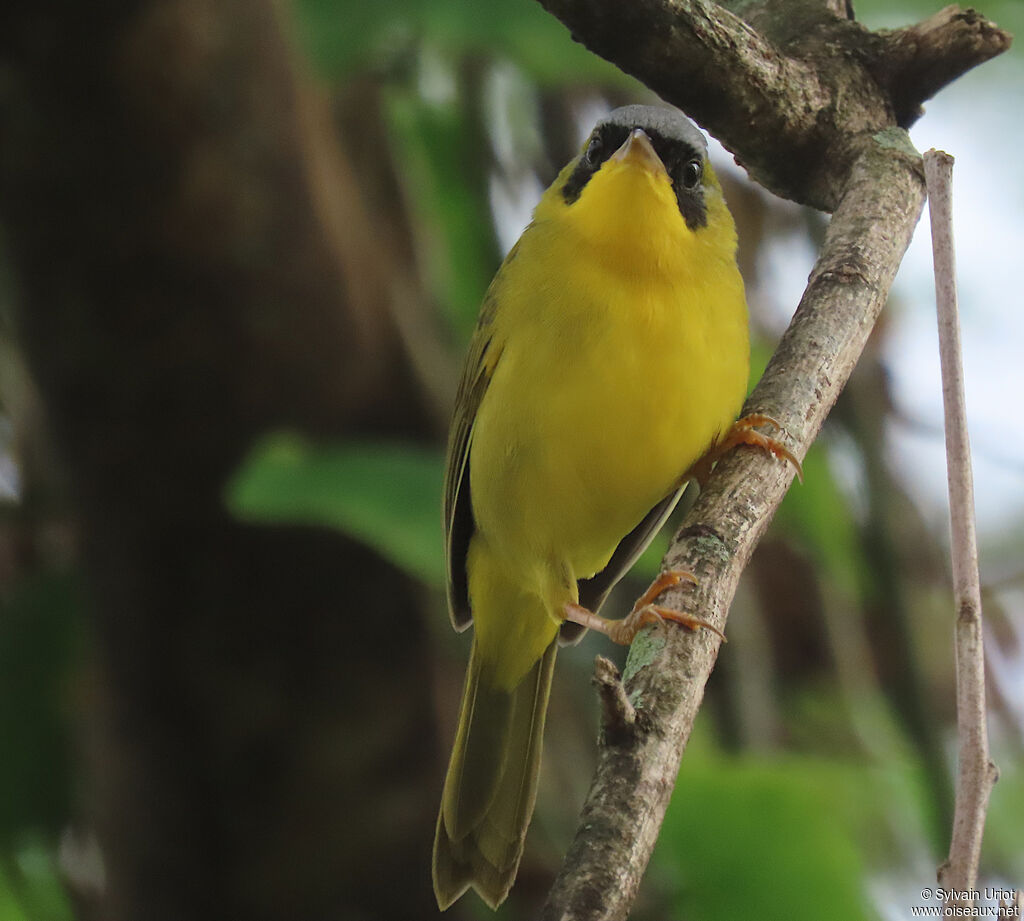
column 458, row 506
column 459, row 523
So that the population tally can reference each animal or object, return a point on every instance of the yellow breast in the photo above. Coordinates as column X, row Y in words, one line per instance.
column 623, row 348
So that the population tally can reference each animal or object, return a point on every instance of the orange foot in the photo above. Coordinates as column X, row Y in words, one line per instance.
column 644, row 612
column 743, row 433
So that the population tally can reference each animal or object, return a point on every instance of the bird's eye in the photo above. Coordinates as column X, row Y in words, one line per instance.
column 593, row 153
column 691, row 173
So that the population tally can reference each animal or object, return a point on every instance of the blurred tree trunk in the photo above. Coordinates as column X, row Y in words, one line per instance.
column 194, row 267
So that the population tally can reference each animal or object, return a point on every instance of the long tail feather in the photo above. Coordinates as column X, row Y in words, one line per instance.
column 491, row 786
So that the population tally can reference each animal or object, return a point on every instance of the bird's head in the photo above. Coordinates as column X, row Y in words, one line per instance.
column 642, row 186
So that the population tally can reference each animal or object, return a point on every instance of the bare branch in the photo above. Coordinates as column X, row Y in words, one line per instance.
column 787, row 86
column 913, row 64
column 668, row 669
column 977, row 774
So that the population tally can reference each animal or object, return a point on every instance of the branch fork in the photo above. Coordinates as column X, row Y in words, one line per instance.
column 808, row 101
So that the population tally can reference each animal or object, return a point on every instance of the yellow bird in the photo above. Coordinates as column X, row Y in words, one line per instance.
column 610, row 358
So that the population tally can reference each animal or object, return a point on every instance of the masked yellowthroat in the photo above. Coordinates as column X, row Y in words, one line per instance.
column 609, row 361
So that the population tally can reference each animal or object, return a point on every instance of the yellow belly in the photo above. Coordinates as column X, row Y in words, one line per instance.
column 608, row 388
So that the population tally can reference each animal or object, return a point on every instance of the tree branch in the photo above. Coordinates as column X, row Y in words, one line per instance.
column 805, row 99
column 667, row 670
column 977, row 774
column 787, row 85
column 914, row 63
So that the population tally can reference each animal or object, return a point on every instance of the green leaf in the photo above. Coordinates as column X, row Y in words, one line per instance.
column 765, row 839
column 386, row 495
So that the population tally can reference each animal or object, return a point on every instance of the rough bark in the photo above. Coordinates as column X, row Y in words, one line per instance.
column 815, row 107
column 193, row 268
column 786, row 85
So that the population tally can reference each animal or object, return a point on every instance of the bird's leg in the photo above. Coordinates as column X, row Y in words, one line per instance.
column 644, row 612
column 743, row 433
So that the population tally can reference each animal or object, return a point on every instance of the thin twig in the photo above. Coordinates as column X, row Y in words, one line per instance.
column 618, row 716
column 977, row 774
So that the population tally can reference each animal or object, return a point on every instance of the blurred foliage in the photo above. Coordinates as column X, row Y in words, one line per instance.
column 1006, row 819
column 39, row 649
column 37, row 645
column 385, row 495
column 343, row 38
column 778, row 834
column 30, row 889
column 818, row 519
column 830, row 795
column 437, row 145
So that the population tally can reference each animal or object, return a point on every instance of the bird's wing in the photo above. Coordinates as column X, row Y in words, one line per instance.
column 459, row 523
column 594, row 591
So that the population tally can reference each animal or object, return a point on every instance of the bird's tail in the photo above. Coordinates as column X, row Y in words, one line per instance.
column 491, row 786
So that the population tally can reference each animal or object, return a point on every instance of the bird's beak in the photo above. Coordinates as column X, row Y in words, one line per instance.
column 638, row 150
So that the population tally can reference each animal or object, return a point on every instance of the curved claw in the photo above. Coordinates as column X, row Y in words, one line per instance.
column 690, row 621
column 666, row 580
column 743, row 433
